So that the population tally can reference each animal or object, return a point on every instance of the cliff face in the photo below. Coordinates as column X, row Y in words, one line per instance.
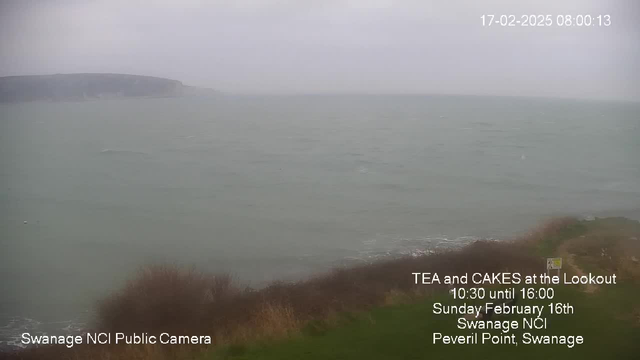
column 70, row 87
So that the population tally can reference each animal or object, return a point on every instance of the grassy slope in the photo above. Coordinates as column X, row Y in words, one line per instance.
column 603, row 318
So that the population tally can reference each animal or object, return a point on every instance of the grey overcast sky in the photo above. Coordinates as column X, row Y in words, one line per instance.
column 331, row 46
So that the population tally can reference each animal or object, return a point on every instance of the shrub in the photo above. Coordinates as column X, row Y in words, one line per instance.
column 163, row 298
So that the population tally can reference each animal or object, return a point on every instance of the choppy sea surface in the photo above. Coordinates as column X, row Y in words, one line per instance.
column 280, row 187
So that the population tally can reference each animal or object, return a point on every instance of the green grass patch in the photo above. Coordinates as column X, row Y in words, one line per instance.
column 405, row 332
column 549, row 244
column 605, row 319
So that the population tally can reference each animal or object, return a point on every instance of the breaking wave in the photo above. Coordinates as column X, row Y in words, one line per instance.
column 13, row 327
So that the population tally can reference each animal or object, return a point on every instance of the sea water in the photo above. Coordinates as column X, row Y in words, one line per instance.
column 279, row 187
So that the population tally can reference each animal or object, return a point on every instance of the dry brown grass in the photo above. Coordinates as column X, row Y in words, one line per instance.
column 165, row 298
column 548, row 229
column 636, row 316
column 611, row 248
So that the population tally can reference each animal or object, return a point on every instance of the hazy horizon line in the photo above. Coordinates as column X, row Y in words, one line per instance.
column 345, row 93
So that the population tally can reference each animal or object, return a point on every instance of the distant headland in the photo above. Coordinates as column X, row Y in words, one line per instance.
column 92, row 86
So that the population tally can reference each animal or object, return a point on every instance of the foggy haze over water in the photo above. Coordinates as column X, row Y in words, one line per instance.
column 337, row 46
